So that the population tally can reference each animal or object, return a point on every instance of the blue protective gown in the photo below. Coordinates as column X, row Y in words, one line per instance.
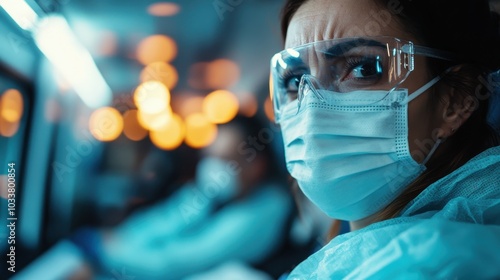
column 450, row 231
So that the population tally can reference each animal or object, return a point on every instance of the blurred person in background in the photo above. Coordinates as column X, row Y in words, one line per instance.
column 232, row 215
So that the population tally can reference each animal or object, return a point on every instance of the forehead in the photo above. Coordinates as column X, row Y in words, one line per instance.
column 318, row 20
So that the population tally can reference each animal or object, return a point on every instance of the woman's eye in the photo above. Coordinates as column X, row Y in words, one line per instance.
column 290, row 78
column 292, row 84
column 365, row 69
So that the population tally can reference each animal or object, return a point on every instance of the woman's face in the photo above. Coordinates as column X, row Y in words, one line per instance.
column 318, row 20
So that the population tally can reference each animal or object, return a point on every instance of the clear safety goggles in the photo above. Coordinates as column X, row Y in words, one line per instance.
column 342, row 66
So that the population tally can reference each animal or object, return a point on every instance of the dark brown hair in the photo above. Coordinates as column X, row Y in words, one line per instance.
column 469, row 30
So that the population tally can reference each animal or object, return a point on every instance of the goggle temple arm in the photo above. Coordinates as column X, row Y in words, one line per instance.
column 434, row 53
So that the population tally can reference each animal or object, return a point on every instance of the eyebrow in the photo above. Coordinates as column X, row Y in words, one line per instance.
column 337, row 50
column 343, row 47
column 295, row 61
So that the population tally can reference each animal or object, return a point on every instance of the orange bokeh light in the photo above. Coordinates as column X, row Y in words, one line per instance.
column 131, row 126
column 8, row 129
column 11, row 105
column 187, row 105
column 152, row 97
column 200, row 132
column 154, row 121
column 162, row 72
column 222, row 73
column 106, row 124
column 220, row 106
column 156, row 48
column 268, row 109
column 163, row 9
column 248, row 105
column 170, row 136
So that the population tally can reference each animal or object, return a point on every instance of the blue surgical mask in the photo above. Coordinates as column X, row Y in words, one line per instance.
column 349, row 152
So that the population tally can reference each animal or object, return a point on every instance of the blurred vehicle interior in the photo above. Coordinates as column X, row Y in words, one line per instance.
column 87, row 88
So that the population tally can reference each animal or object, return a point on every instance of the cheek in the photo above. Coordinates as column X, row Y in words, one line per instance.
column 424, row 125
column 419, row 135
column 421, row 117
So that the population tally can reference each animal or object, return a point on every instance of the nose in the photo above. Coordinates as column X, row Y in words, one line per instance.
column 309, row 84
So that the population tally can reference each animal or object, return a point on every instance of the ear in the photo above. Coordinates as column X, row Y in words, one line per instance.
column 457, row 109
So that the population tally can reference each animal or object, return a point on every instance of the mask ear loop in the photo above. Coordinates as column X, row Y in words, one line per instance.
column 417, row 93
column 424, row 88
column 433, row 150
column 427, row 86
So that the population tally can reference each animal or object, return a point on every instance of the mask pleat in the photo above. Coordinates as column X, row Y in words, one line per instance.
column 349, row 159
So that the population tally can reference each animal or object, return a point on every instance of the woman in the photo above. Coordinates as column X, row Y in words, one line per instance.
column 387, row 110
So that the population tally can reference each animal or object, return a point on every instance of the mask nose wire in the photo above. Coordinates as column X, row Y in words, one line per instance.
column 308, row 82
